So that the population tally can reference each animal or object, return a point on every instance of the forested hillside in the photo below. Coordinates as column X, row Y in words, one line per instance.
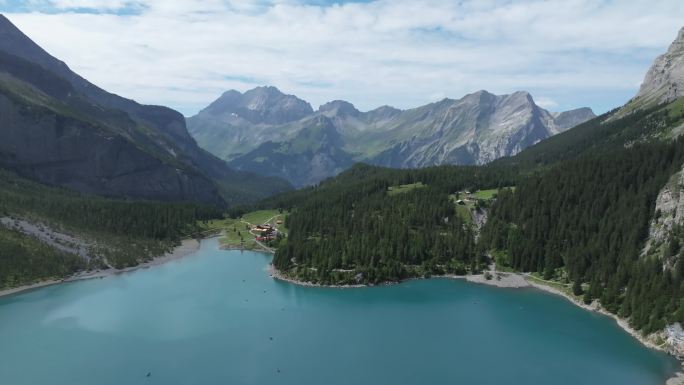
column 585, row 221
column 363, row 228
column 116, row 233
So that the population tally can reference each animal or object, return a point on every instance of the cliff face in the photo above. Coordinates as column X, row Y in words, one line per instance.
column 664, row 81
column 669, row 212
column 667, row 218
column 315, row 153
column 67, row 152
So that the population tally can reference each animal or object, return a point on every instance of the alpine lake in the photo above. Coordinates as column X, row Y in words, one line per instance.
column 217, row 317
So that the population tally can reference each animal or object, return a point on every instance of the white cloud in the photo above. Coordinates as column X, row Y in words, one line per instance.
column 545, row 102
column 398, row 52
column 94, row 4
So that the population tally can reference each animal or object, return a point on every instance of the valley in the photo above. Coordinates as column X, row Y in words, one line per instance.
column 140, row 245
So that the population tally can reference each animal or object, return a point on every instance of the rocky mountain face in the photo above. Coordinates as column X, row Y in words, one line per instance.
column 670, row 213
column 475, row 129
column 663, row 84
column 568, row 119
column 313, row 154
column 237, row 123
column 58, row 128
column 664, row 81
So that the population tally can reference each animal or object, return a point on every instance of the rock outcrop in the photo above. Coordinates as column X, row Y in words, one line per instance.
column 669, row 212
column 664, row 81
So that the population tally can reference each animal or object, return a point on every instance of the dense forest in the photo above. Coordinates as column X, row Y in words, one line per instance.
column 353, row 229
column 120, row 233
column 589, row 217
column 24, row 259
column 585, row 218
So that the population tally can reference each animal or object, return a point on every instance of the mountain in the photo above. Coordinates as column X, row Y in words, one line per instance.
column 569, row 119
column 60, row 129
column 237, row 123
column 313, row 154
column 664, row 81
column 476, row 129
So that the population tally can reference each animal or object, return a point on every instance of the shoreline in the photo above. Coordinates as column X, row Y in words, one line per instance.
column 504, row 280
column 676, row 379
column 240, row 248
column 511, row 280
column 278, row 275
column 187, row 247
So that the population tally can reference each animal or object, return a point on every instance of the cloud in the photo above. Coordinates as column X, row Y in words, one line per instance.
column 398, row 52
column 94, row 4
column 546, row 103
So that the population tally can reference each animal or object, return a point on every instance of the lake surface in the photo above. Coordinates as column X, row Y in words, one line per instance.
column 216, row 317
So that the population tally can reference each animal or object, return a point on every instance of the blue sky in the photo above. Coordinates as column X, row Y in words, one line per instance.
column 402, row 53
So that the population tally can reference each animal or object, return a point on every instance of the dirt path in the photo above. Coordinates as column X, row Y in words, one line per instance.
column 270, row 250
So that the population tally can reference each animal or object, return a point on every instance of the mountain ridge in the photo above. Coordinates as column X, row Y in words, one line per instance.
column 474, row 129
column 97, row 142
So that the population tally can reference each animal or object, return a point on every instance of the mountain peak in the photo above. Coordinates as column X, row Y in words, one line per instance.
column 571, row 118
column 382, row 113
column 680, row 37
column 664, row 81
column 520, row 97
column 339, row 108
column 265, row 90
column 522, row 94
column 230, row 93
column 265, row 104
column 483, row 97
column 478, row 94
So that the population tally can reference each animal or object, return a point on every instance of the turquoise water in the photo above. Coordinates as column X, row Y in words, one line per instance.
column 216, row 317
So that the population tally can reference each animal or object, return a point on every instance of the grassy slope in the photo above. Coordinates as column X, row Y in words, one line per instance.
column 393, row 190
column 235, row 232
column 465, row 211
